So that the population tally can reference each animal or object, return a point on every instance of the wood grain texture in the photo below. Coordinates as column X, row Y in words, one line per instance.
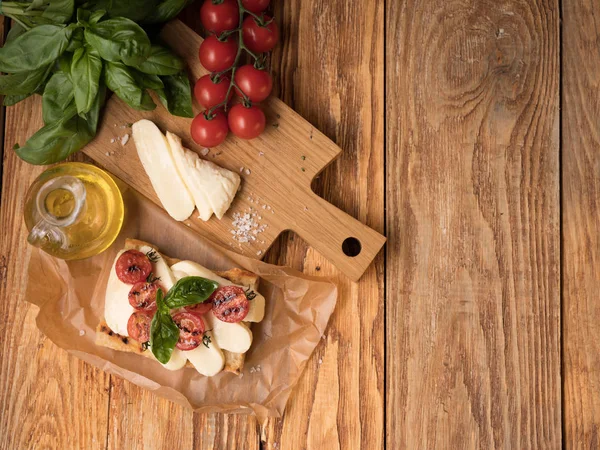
column 473, row 307
column 276, row 168
column 581, row 223
column 330, row 70
column 187, row 429
column 48, row 399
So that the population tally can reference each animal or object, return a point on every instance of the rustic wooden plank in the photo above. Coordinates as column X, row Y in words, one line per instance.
column 581, row 224
column 473, row 308
column 330, row 70
column 163, row 421
column 48, row 398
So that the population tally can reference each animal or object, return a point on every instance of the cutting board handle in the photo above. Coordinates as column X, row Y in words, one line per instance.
column 346, row 242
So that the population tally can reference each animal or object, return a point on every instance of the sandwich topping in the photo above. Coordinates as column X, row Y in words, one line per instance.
column 180, row 313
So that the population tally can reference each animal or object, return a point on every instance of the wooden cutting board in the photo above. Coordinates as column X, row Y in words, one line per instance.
column 276, row 169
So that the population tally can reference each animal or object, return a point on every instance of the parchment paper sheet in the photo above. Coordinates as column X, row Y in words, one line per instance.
column 71, row 300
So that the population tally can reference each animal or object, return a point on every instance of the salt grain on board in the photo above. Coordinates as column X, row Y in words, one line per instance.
column 245, row 227
column 248, row 172
column 204, row 151
column 124, row 140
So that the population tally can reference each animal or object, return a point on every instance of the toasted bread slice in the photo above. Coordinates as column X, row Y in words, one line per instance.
column 234, row 362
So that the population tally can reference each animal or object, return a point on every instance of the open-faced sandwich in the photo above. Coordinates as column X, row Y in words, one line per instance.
column 179, row 312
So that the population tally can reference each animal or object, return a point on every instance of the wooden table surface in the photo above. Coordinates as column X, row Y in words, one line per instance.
column 471, row 138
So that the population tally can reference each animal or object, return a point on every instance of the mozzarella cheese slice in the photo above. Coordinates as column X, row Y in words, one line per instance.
column 209, row 360
column 234, row 337
column 155, row 155
column 117, row 309
column 220, row 185
column 177, row 361
column 160, row 268
column 212, row 187
column 186, row 172
column 257, row 305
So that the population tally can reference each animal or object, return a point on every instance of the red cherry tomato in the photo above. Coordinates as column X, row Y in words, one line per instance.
column 200, row 308
column 255, row 83
column 259, row 39
column 246, row 123
column 217, row 55
column 230, row 304
column 209, row 93
column 209, row 132
column 133, row 266
column 142, row 295
column 191, row 330
column 255, row 6
column 138, row 326
column 217, row 18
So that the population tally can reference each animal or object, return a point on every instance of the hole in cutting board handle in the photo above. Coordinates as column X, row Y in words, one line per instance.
column 351, row 247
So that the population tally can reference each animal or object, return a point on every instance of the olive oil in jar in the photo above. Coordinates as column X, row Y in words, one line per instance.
column 73, row 211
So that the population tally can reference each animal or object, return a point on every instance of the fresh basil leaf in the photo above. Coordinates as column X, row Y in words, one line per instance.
column 190, row 291
column 96, row 16
column 119, row 79
column 89, row 17
column 86, row 69
column 23, row 83
column 57, row 97
column 162, row 61
column 76, row 41
column 166, row 10
column 35, row 4
column 93, row 116
column 10, row 100
column 177, row 95
column 60, row 11
column 164, row 333
column 83, row 16
column 56, row 141
column 16, row 30
column 136, row 10
column 63, row 64
column 147, row 81
column 35, row 48
column 119, row 39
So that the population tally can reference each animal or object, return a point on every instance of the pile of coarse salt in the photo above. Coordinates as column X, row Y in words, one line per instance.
column 246, row 227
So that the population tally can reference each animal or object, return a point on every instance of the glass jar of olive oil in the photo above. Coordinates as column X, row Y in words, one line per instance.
column 73, row 211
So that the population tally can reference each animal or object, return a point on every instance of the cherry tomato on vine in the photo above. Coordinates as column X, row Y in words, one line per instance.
column 217, row 55
column 209, row 132
column 208, row 93
column 259, row 39
column 219, row 17
column 256, row 6
column 253, row 82
column 246, row 122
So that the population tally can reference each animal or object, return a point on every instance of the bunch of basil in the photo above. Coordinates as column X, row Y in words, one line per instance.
column 71, row 59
